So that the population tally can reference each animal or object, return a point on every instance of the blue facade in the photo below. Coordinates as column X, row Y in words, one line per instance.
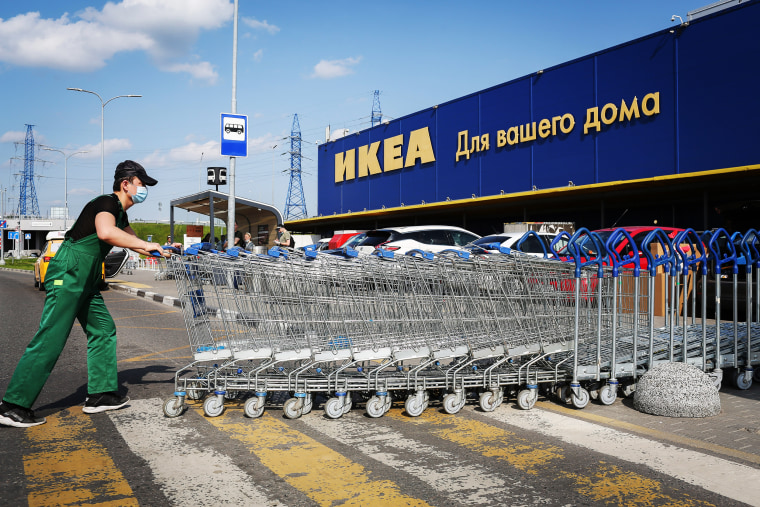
column 695, row 92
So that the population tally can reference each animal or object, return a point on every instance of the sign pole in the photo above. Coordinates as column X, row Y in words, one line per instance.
column 231, row 199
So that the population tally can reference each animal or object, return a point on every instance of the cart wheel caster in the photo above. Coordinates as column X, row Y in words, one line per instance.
column 526, row 399
column 488, row 402
column 451, row 404
column 414, row 406
column 581, row 399
column 608, row 394
column 334, row 407
column 741, row 380
column 213, row 406
column 174, row 407
column 291, row 409
column 376, row 407
column 252, row 408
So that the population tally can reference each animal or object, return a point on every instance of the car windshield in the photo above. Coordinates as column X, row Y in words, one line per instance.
column 354, row 241
column 374, row 238
column 55, row 245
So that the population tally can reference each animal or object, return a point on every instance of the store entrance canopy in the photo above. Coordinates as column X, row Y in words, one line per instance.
column 251, row 216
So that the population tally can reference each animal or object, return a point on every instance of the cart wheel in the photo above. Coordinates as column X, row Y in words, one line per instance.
column 741, row 381
column 450, row 405
column 489, row 402
column 629, row 388
column 307, row 405
column 526, row 399
column 251, row 409
column 347, row 404
column 375, row 407
column 173, row 407
column 291, row 409
column 756, row 375
column 564, row 394
column 414, row 407
column 607, row 394
column 195, row 391
column 213, row 406
column 581, row 399
column 334, row 408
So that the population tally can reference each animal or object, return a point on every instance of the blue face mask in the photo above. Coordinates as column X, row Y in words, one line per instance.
column 140, row 196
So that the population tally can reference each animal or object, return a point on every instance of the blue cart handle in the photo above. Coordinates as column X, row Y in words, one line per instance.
column 425, row 255
column 749, row 248
column 616, row 260
column 277, row 251
column 540, row 242
column 722, row 256
column 689, row 258
column 573, row 246
column 668, row 257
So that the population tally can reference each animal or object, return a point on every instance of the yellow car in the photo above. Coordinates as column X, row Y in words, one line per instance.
column 54, row 241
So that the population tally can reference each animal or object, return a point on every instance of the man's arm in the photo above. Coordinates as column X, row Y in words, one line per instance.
column 105, row 226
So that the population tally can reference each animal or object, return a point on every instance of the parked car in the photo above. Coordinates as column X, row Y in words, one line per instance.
column 340, row 238
column 54, row 241
column 114, row 262
column 638, row 234
column 535, row 243
column 429, row 238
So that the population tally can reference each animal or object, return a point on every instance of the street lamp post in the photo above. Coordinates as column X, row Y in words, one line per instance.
column 65, row 179
column 102, row 111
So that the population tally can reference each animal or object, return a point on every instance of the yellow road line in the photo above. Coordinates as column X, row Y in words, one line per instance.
column 145, row 356
column 65, row 465
column 650, row 432
column 324, row 475
column 596, row 480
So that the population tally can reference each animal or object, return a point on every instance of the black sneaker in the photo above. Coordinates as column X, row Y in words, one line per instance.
column 19, row 417
column 104, row 401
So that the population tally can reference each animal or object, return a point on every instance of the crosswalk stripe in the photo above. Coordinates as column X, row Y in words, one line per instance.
column 324, row 475
column 193, row 479
column 726, row 478
column 594, row 479
column 65, row 465
column 464, row 482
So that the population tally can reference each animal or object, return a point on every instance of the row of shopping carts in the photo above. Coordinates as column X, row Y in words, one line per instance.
column 340, row 328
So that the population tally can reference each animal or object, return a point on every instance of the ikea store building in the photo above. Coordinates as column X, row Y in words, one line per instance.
column 662, row 130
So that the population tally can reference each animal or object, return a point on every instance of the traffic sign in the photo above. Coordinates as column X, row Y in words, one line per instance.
column 3, row 224
column 234, row 135
column 13, row 235
column 27, row 236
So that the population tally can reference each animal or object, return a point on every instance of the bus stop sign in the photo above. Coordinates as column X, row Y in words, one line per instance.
column 234, row 135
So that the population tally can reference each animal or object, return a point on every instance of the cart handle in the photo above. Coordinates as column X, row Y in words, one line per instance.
column 540, row 242
column 616, row 260
column 277, row 251
column 459, row 253
column 727, row 256
column 383, row 254
column 668, row 257
column 425, row 255
column 574, row 247
column 691, row 259
column 749, row 248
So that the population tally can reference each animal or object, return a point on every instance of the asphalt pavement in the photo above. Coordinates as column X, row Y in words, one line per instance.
column 734, row 433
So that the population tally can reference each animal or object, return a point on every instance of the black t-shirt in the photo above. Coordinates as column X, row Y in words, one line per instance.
column 85, row 224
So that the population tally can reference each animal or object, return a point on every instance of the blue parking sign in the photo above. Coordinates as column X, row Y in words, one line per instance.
column 234, row 135
column 13, row 235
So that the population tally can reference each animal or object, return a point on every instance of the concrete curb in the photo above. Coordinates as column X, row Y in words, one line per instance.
column 166, row 300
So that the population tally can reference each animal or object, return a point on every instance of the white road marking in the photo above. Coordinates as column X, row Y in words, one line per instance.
column 187, row 470
column 726, row 478
column 465, row 482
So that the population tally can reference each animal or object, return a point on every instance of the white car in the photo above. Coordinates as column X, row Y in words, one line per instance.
column 428, row 238
column 534, row 243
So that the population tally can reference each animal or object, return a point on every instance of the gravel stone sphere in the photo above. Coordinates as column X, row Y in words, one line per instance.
column 676, row 390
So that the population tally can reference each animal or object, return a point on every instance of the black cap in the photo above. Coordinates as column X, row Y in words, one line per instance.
column 129, row 168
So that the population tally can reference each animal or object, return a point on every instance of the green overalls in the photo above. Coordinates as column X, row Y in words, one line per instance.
column 72, row 281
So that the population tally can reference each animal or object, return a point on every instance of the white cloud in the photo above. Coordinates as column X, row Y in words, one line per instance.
column 329, row 69
column 258, row 55
column 261, row 25
column 202, row 71
column 13, row 137
column 187, row 154
column 165, row 29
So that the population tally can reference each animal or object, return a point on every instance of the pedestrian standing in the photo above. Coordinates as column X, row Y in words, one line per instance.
column 284, row 238
column 72, row 283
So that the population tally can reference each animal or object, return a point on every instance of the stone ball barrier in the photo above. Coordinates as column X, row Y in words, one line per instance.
column 676, row 390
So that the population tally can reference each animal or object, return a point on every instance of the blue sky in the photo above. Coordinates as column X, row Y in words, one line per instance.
column 319, row 60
